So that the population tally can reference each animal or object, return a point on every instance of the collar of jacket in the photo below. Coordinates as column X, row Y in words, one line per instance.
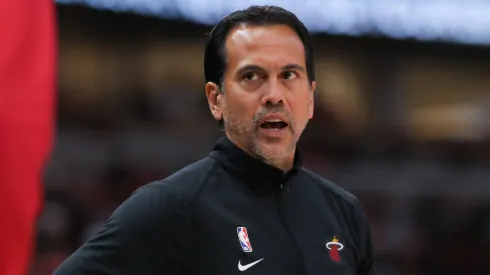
column 258, row 176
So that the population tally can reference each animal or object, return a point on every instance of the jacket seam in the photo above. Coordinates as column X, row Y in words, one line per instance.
column 190, row 208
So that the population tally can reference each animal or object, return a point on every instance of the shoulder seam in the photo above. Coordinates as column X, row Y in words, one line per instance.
column 189, row 204
column 211, row 172
column 355, row 199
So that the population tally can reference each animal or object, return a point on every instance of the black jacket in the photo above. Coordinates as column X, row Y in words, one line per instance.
column 197, row 221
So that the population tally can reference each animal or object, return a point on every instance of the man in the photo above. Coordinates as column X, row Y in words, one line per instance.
column 249, row 207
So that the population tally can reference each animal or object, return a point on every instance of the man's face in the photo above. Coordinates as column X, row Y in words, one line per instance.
column 266, row 100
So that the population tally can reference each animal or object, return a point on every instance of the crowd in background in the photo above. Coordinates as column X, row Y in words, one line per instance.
column 99, row 161
column 427, row 201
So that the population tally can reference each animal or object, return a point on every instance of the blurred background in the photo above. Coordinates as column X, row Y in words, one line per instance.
column 402, row 119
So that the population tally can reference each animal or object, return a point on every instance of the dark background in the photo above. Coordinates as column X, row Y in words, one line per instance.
column 403, row 125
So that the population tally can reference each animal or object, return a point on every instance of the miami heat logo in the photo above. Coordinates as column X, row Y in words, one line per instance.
column 335, row 246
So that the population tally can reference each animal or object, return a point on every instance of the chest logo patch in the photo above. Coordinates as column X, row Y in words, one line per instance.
column 244, row 239
column 334, row 247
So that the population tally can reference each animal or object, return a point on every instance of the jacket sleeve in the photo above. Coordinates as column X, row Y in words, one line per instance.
column 366, row 263
column 143, row 236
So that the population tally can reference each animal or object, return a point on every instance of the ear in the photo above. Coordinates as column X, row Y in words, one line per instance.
column 212, row 94
column 312, row 99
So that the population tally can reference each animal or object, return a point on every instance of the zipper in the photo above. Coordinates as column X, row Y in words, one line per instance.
column 284, row 188
column 298, row 250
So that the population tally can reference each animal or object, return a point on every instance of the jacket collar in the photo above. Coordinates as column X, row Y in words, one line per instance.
column 254, row 173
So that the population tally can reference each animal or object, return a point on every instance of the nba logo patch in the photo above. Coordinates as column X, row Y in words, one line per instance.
column 243, row 238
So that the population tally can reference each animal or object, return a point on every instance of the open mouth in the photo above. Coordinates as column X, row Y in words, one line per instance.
column 274, row 124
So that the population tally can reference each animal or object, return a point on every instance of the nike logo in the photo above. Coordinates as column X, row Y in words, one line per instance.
column 245, row 267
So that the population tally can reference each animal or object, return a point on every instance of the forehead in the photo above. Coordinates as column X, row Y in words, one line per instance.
column 275, row 45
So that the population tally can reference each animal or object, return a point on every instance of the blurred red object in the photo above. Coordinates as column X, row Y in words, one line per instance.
column 27, row 88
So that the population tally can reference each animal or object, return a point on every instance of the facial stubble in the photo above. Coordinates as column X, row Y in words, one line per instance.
column 233, row 125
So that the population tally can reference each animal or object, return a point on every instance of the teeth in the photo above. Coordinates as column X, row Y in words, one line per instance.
column 274, row 120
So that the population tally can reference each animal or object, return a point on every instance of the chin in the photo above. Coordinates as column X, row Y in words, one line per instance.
column 272, row 151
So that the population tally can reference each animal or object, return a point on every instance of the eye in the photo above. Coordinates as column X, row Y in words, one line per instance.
column 250, row 76
column 289, row 75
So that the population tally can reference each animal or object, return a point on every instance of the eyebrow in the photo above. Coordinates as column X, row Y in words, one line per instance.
column 294, row 67
column 253, row 67
column 250, row 67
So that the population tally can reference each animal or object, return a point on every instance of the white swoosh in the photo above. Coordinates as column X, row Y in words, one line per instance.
column 245, row 267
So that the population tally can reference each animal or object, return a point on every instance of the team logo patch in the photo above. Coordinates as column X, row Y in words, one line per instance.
column 335, row 246
column 244, row 239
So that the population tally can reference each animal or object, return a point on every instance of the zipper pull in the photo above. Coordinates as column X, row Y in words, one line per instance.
column 284, row 188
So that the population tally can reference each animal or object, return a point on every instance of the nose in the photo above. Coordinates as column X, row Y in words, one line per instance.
column 274, row 94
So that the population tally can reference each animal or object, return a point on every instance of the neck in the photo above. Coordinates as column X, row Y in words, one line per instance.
column 285, row 164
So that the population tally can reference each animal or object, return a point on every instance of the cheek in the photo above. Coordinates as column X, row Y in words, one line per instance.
column 240, row 110
column 301, row 108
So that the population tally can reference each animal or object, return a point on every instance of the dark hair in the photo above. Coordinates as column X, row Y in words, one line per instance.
column 215, row 55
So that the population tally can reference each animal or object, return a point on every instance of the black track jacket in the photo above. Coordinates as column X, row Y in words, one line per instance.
column 230, row 213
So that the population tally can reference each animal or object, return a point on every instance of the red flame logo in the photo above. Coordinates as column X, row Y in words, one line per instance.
column 334, row 247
